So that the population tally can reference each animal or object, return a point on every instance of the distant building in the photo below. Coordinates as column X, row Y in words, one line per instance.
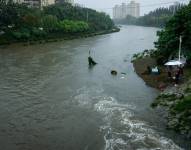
column 134, row 9
column 65, row 1
column 47, row 2
column 117, row 12
column 35, row 3
column 121, row 11
column 18, row 1
column 41, row 3
column 79, row 5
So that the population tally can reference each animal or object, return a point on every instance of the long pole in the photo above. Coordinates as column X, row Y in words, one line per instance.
column 174, row 7
column 87, row 16
column 180, row 47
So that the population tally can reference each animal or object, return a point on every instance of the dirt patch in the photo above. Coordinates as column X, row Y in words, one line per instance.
column 160, row 81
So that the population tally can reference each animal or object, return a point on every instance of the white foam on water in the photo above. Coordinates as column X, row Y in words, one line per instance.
column 122, row 131
column 84, row 96
column 129, row 132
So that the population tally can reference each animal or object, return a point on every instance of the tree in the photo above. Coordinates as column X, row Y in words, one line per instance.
column 68, row 26
column 168, row 42
column 50, row 23
column 20, row 23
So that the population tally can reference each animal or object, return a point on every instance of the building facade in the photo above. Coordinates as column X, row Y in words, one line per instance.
column 35, row 3
column 121, row 11
column 41, row 3
column 65, row 1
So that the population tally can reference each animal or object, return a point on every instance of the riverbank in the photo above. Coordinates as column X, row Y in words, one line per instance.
column 60, row 38
column 175, row 102
column 154, row 81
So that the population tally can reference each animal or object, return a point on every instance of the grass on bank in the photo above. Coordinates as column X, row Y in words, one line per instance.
column 183, row 105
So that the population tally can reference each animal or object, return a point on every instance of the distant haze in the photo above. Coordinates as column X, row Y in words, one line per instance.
column 107, row 5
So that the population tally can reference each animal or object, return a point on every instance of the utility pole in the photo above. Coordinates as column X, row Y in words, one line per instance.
column 174, row 7
column 87, row 16
column 180, row 47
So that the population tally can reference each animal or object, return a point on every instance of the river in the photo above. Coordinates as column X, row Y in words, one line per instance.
column 51, row 100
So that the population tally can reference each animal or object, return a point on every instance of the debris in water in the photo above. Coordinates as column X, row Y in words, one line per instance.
column 114, row 72
column 123, row 73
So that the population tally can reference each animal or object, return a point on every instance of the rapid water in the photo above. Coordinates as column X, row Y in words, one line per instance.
column 51, row 100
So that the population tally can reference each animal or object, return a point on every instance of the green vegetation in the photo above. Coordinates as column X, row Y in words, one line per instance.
column 167, row 45
column 179, row 110
column 168, row 42
column 18, row 23
column 183, row 105
column 156, row 18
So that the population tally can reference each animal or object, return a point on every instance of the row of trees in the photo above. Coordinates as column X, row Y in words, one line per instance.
column 20, row 23
column 96, row 20
column 156, row 18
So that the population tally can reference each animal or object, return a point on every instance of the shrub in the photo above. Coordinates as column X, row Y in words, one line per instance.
column 183, row 105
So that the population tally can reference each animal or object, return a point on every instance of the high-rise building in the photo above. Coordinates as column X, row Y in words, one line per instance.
column 79, row 5
column 117, row 12
column 121, row 11
column 65, row 1
column 41, row 3
column 134, row 9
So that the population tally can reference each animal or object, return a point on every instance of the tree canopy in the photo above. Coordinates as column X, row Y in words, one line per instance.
column 18, row 22
column 168, row 42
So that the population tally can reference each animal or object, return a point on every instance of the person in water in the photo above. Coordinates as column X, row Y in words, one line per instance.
column 91, row 61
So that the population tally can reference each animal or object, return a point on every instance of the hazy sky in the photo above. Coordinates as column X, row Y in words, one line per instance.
column 106, row 5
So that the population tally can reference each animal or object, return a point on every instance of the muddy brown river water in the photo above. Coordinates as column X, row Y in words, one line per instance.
column 51, row 100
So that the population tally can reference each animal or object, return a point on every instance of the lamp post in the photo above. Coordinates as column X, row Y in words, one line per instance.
column 87, row 16
column 175, row 7
column 180, row 47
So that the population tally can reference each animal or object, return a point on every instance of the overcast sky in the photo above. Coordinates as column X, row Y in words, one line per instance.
column 106, row 5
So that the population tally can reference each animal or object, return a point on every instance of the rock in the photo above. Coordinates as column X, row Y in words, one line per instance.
column 170, row 103
column 189, row 135
column 179, row 95
column 176, row 120
column 178, row 116
column 173, row 112
column 173, row 123
column 169, row 117
column 183, row 132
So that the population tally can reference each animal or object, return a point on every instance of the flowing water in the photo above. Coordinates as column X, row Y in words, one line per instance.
column 51, row 100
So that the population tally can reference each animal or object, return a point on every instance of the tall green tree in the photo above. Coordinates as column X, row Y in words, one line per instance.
column 20, row 23
column 179, row 25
